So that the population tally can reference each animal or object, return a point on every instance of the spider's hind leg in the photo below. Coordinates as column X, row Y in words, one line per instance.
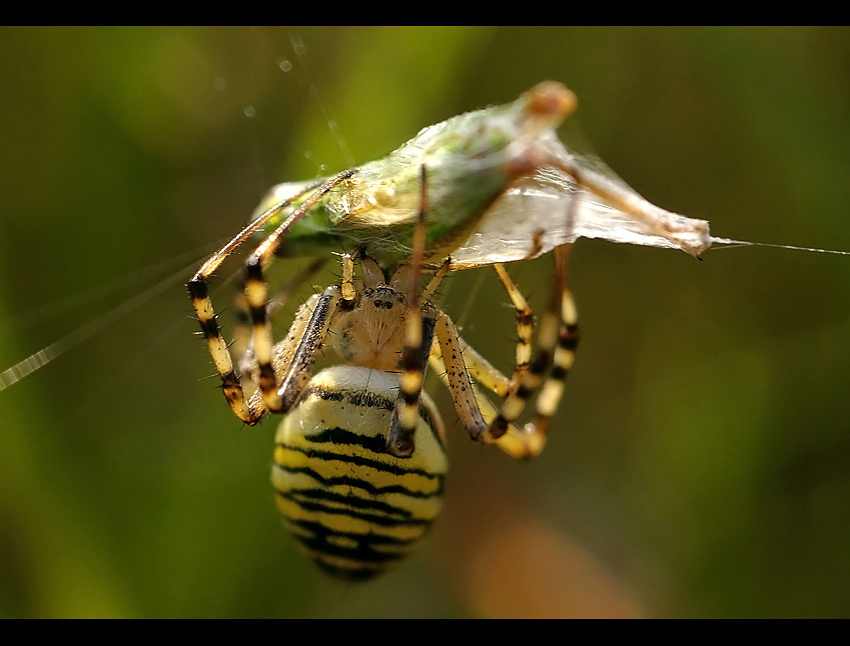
column 558, row 338
column 458, row 362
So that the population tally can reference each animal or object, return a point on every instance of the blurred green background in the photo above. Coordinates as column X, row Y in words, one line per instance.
column 700, row 463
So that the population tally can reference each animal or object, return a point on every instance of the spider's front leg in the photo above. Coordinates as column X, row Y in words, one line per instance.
column 230, row 380
column 418, row 333
column 285, row 370
column 249, row 411
column 243, row 342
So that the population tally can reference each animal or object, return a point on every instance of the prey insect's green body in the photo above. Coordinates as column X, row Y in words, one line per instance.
column 501, row 187
column 470, row 160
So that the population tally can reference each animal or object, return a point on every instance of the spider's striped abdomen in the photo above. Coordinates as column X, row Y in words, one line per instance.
column 353, row 507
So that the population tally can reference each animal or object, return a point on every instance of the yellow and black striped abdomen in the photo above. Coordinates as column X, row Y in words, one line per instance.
column 352, row 506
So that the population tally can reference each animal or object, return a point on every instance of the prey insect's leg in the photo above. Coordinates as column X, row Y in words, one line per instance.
column 419, row 331
column 204, row 310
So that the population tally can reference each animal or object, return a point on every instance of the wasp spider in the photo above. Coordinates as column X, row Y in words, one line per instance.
column 359, row 459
